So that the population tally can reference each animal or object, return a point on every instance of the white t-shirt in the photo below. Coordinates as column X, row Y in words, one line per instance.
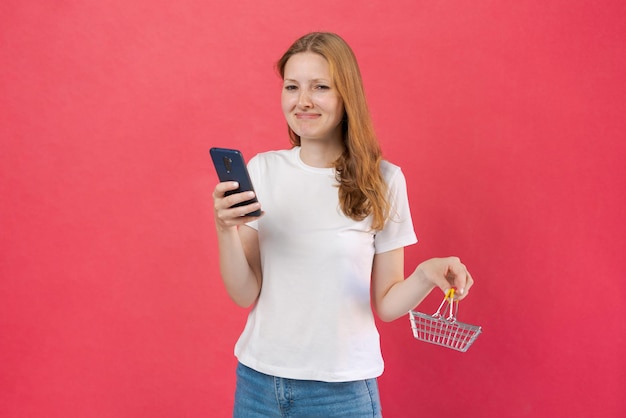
column 313, row 319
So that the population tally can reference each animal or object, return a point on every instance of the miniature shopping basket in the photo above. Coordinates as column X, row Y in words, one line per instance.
column 444, row 331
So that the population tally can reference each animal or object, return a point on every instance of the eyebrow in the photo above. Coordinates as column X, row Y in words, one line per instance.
column 315, row 80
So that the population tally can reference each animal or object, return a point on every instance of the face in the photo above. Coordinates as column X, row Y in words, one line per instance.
column 310, row 102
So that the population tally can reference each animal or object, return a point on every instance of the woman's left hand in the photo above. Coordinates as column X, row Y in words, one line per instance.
column 446, row 273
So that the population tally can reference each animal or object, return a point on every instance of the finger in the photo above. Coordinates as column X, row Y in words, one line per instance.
column 224, row 187
column 237, row 216
column 457, row 275
column 469, row 282
column 238, row 198
column 242, row 219
column 244, row 210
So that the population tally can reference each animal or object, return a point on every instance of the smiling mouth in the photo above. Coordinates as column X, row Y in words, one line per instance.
column 307, row 115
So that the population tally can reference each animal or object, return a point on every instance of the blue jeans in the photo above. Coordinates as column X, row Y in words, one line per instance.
column 262, row 396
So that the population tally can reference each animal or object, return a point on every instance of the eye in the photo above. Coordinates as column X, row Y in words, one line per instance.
column 322, row 87
column 291, row 87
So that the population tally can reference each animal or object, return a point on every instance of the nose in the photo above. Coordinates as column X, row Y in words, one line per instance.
column 304, row 99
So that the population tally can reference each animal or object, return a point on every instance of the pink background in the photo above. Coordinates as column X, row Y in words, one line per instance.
column 508, row 119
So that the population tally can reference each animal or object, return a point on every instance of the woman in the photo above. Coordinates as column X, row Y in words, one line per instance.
column 327, row 249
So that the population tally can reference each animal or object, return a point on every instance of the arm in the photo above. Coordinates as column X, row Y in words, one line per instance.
column 240, row 263
column 393, row 296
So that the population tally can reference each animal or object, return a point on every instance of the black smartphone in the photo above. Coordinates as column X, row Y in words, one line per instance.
column 231, row 166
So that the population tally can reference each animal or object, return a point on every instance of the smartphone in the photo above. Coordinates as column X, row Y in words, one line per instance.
column 231, row 166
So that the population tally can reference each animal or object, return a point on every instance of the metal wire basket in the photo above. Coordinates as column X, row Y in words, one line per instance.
column 444, row 331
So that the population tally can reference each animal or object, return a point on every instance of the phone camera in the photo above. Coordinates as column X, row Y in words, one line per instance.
column 228, row 164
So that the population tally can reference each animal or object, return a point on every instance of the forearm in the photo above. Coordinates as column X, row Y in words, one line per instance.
column 404, row 295
column 399, row 296
column 240, row 279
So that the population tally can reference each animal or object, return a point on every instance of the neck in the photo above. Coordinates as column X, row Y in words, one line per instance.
column 320, row 154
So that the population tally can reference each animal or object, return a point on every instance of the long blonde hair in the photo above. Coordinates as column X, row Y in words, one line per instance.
column 362, row 189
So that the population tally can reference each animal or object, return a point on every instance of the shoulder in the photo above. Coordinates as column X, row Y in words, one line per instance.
column 391, row 172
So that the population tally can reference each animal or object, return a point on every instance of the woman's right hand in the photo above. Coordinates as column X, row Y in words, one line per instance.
column 227, row 216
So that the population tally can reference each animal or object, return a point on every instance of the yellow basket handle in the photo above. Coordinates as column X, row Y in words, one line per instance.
column 453, row 306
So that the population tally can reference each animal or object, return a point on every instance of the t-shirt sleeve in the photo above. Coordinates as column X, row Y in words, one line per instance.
column 398, row 230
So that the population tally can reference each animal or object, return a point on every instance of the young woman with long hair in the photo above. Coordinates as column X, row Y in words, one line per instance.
column 327, row 252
